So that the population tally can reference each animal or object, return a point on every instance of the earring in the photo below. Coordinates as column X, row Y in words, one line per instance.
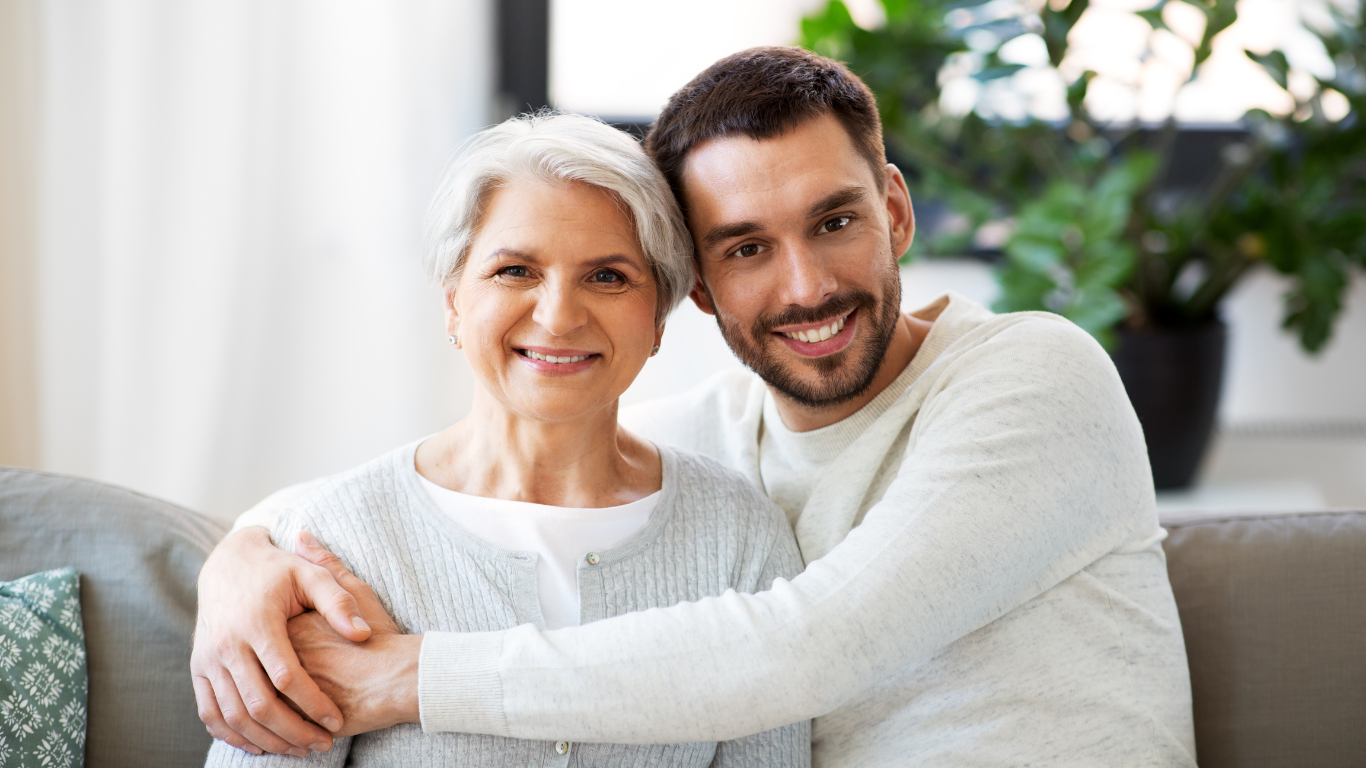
column 452, row 339
column 654, row 351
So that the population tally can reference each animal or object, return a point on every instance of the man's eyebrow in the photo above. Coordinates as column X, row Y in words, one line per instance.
column 723, row 232
column 837, row 199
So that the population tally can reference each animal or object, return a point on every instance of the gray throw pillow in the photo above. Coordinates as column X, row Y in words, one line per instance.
column 42, row 671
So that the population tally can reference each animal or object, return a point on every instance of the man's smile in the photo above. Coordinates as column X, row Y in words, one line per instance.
column 821, row 338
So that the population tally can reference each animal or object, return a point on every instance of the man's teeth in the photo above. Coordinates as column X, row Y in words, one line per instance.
column 553, row 358
column 818, row 334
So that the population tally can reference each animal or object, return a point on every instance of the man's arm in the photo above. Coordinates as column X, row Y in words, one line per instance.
column 1028, row 466
column 248, row 589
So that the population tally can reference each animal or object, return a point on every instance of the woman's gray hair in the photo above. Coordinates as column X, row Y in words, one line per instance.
column 556, row 148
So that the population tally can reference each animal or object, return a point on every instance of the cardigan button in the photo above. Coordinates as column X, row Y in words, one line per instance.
column 561, row 747
column 593, row 558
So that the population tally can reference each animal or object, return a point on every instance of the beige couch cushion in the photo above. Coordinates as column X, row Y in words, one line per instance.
column 138, row 559
column 1274, row 614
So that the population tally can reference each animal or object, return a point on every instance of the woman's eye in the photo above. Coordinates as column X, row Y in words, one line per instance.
column 606, row 276
column 515, row 271
column 836, row 224
column 747, row 250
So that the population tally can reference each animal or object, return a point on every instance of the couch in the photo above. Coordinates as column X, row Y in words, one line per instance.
column 1273, row 608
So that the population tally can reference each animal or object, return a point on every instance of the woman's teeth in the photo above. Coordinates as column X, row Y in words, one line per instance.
column 553, row 358
column 818, row 334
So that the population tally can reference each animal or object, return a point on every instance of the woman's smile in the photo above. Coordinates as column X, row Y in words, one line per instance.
column 557, row 362
column 556, row 311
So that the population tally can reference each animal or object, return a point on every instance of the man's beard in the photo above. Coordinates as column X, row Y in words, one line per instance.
column 842, row 376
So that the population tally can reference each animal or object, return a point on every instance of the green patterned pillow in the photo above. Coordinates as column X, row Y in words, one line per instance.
column 42, row 671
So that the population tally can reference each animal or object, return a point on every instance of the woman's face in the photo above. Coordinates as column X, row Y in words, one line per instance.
column 555, row 308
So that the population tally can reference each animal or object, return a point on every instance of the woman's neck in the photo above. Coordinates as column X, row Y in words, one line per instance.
column 497, row 453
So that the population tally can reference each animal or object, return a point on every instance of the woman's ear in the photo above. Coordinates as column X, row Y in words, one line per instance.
column 452, row 301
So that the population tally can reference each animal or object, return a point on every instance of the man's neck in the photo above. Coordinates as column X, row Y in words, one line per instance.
column 910, row 333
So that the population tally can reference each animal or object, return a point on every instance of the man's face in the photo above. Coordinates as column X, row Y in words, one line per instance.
column 797, row 249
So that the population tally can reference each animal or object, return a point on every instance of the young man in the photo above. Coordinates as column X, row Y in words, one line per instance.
column 985, row 583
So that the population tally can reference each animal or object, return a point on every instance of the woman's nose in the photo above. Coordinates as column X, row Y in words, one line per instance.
column 558, row 310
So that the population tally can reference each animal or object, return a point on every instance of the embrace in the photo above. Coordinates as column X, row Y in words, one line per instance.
column 923, row 538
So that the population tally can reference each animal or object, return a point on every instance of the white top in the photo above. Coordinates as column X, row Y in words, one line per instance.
column 560, row 537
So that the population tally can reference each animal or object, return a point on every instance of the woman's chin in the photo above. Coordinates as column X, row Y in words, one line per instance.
column 559, row 407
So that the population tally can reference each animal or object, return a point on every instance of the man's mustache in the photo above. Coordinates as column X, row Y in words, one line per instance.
column 837, row 305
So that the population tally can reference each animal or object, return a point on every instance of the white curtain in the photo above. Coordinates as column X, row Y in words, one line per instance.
column 228, row 292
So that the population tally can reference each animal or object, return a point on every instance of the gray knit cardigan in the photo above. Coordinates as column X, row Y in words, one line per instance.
column 710, row 532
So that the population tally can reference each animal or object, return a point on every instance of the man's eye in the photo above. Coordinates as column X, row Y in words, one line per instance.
column 515, row 271
column 836, row 224
column 606, row 276
column 747, row 250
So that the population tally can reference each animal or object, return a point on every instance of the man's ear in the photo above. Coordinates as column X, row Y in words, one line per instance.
column 900, row 212
column 448, row 295
column 699, row 296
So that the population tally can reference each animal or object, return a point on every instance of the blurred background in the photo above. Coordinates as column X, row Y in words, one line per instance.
column 209, row 214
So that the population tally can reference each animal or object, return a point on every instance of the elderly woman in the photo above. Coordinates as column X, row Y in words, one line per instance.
column 561, row 252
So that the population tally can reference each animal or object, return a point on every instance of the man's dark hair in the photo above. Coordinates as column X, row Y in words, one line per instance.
column 762, row 93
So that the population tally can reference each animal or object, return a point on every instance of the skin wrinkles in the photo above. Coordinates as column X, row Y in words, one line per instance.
column 554, row 267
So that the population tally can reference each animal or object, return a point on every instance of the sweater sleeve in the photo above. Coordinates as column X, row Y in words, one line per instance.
column 1027, row 465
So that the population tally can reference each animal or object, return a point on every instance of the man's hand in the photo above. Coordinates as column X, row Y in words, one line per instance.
column 374, row 682
column 248, row 590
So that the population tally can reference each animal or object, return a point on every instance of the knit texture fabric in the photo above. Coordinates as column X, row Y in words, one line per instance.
column 711, row 532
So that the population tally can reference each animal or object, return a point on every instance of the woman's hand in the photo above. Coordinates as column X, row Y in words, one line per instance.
column 373, row 682
column 248, row 590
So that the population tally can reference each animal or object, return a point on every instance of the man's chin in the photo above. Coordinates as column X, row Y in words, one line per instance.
column 820, row 382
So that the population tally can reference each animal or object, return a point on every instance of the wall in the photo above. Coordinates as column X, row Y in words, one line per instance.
column 228, row 294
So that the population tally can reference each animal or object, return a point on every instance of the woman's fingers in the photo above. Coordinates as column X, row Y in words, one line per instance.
column 281, row 665
column 334, row 592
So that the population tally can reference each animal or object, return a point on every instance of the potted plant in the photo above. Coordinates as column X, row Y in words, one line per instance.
column 1085, row 214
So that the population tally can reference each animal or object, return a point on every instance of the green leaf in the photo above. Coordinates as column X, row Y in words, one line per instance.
column 1096, row 310
column 1076, row 93
column 896, row 9
column 1154, row 16
column 827, row 31
column 997, row 72
column 1034, row 255
column 1274, row 63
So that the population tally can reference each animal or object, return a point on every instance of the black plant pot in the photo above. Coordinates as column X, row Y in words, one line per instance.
column 1173, row 377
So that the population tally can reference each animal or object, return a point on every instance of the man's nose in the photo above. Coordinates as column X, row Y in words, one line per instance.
column 558, row 309
column 807, row 281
